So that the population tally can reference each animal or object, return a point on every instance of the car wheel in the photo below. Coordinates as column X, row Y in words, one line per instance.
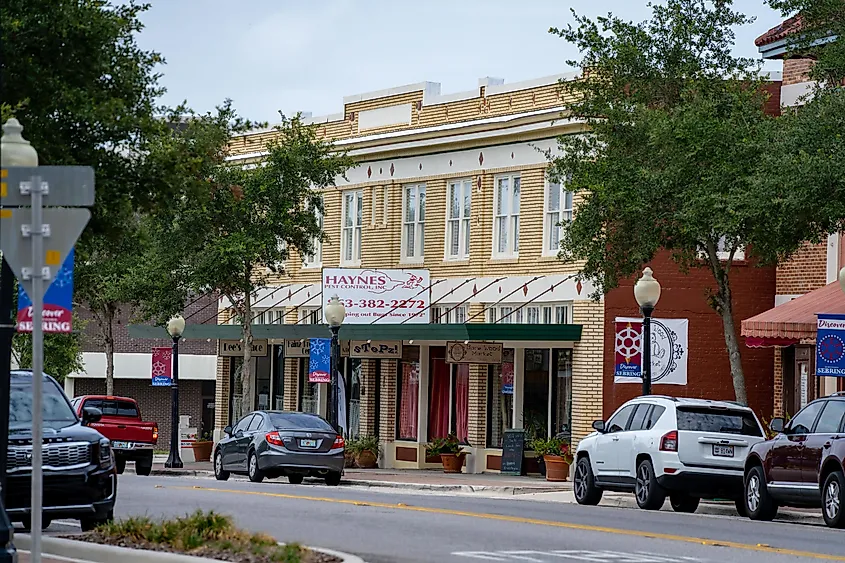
column 584, row 484
column 89, row 524
column 45, row 523
column 333, row 479
column 741, row 509
column 255, row 474
column 833, row 500
column 682, row 502
column 144, row 467
column 219, row 473
column 120, row 463
column 758, row 502
column 650, row 495
column 295, row 479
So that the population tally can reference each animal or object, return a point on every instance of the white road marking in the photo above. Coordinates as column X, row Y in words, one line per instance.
column 576, row 555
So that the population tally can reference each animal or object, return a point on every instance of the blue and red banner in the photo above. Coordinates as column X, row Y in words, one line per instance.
column 319, row 362
column 162, row 366
column 628, row 350
column 57, row 315
column 830, row 346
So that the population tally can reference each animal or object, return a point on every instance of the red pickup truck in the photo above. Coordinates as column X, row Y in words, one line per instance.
column 132, row 439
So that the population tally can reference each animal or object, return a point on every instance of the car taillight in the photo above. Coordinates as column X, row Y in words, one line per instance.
column 275, row 439
column 155, row 433
column 338, row 443
column 669, row 442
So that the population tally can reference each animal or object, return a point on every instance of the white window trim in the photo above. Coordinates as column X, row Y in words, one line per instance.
column 510, row 252
column 318, row 249
column 385, row 206
column 419, row 250
column 463, row 253
column 452, row 317
column 314, row 312
column 547, row 226
column 494, row 313
column 357, row 230
column 724, row 255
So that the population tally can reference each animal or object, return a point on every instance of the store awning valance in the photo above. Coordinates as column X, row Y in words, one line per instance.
column 794, row 321
column 423, row 332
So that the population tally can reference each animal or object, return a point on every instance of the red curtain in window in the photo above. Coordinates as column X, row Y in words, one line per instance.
column 462, row 401
column 438, row 402
column 409, row 398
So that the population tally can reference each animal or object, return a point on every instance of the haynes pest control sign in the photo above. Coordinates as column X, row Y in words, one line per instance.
column 830, row 346
column 58, row 303
column 383, row 296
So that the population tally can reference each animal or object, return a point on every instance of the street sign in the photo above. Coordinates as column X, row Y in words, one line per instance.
column 70, row 186
column 64, row 225
column 57, row 315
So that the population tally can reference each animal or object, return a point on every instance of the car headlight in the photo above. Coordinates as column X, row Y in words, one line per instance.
column 105, row 456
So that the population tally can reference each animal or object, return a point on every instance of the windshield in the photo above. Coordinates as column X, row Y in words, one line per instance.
column 55, row 409
column 298, row 421
column 718, row 420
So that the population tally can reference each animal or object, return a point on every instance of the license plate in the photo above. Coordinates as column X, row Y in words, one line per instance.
column 122, row 445
column 308, row 443
column 723, row 451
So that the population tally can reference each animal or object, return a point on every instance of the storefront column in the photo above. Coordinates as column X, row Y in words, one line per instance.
column 422, row 407
column 518, row 386
column 777, row 409
column 221, row 397
column 291, row 384
column 477, row 418
column 387, row 414
column 369, row 378
column 587, row 367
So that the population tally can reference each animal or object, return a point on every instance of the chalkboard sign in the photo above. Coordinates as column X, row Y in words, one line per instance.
column 513, row 445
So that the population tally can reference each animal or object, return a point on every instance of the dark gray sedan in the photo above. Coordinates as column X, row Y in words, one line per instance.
column 276, row 443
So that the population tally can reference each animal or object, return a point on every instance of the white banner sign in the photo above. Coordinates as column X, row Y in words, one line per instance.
column 669, row 351
column 383, row 296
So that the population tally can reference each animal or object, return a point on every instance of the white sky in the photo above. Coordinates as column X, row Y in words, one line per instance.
column 306, row 55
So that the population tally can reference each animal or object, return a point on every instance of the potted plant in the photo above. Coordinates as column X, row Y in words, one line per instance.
column 202, row 447
column 365, row 451
column 557, row 457
column 450, row 451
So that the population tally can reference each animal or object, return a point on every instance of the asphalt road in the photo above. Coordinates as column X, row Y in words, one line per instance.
column 384, row 527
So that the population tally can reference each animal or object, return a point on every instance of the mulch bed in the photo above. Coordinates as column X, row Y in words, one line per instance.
column 307, row 556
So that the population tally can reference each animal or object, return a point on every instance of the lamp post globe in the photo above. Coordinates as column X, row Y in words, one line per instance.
column 16, row 151
column 842, row 279
column 335, row 313
column 647, row 294
column 175, row 328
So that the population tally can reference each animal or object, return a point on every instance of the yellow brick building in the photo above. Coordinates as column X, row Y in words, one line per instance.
column 454, row 184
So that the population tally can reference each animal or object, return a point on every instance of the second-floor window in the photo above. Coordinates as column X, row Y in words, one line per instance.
column 413, row 222
column 315, row 259
column 545, row 313
column 353, row 207
column 311, row 316
column 449, row 314
column 506, row 210
column 460, row 208
column 558, row 215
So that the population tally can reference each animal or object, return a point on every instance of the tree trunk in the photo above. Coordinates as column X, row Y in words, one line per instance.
column 732, row 343
column 108, row 337
column 246, row 372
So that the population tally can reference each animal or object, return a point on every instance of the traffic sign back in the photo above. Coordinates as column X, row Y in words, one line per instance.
column 71, row 186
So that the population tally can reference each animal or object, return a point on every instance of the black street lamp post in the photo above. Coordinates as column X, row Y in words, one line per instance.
column 335, row 313
column 175, row 328
column 647, row 294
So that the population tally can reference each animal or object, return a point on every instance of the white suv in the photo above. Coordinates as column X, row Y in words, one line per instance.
column 654, row 446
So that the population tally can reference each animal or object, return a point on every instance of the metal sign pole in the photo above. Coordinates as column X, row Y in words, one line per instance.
column 39, row 273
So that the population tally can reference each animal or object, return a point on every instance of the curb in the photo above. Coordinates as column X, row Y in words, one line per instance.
column 99, row 553
column 720, row 509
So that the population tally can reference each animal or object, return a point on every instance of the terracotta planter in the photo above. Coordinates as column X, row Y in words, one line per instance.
column 202, row 450
column 452, row 463
column 348, row 460
column 366, row 460
column 556, row 468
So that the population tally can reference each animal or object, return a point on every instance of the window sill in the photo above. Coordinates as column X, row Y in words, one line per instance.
column 312, row 266
column 356, row 264
column 412, row 261
column 504, row 259
column 456, row 260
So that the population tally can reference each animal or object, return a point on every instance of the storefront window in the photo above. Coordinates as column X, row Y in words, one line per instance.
column 439, row 389
column 352, row 379
column 535, row 409
column 261, row 392
column 460, row 401
column 408, row 392
column 309, row 395
column 236, row 385
column 278, row 378
column 562, row 392
column 500, row 399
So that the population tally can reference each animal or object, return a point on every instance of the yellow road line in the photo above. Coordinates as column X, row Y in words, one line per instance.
column 520, row 520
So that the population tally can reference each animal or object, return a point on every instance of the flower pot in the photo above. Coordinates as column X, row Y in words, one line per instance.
column 366, row 460
column 557, row 469
column 202, row 450
column 348, row 460
column 452, row 463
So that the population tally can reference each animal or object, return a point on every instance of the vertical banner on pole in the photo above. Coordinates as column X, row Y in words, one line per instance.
column 319, row 361
column 669, row 350
column 58, row 302
column 162, row 367
column 830, row 346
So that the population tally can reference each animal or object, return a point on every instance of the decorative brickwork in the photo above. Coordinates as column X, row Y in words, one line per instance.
column 806, row 271
column 292, row 384
column 369, row 408
column 477, row 405
column 586, row 368
column 796, row 70
column 221, row 395
column 387, row 419
column 778, row 386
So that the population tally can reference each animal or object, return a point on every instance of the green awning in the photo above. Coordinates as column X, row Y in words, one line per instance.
column 468, row 331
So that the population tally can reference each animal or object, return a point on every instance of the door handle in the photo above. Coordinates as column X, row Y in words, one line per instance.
column 615, row 438
column 121, row 426
column 827, row 445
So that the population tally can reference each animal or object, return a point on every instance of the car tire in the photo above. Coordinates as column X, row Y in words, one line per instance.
column 333, row 479
column 255, row 474
column 759, row 504
column 144, row 467
column 120, row 464
column 650, row 495
column 584, row 484
column 833, row 500
column 682, row 502
column 89, row 524
column 295, row 479
column 741, row 509
column 45, row 523
column 219, row 473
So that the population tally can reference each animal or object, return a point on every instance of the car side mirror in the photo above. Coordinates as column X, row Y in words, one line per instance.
column 227, row 431
column 91, row 415
column 776, row 425
column 598, row 426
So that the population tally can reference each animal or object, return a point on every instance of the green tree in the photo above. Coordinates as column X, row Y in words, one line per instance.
column 62, row 352
column 671, row 162
column 238, row 233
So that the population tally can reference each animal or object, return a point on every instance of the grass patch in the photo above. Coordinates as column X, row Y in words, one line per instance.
column 204, row 534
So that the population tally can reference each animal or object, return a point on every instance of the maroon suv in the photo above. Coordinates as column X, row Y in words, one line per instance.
column 803, row 466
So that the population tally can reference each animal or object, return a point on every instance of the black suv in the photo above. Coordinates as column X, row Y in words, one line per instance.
column 80, row 479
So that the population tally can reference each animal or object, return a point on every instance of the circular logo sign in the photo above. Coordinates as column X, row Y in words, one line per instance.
column 831, row 349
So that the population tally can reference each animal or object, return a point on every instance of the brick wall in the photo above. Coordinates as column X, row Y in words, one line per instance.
column 387, row 414
column 796, row 70
column 684, row 296
column 778, row 386
column 477, row 421
column 587, row 382
column 369, row 408
column 221, row 395
column 806, row 271
column 154, row 402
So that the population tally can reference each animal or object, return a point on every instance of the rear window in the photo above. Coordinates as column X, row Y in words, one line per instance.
column 114, row 408
column 296, row 421
column 703, row 419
